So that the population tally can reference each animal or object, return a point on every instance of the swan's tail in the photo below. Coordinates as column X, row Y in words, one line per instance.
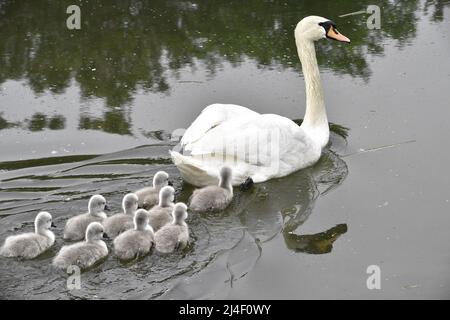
column 192, row 171
column 198, row 172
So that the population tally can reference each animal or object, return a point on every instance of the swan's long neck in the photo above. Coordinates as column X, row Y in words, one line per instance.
column 315, row 122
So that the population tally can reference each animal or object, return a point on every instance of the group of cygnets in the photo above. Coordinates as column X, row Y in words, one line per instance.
column 159, row 224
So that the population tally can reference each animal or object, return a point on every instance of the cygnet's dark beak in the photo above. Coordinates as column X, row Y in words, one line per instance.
column 53, row 225
column 170, row 183
column 107, row 208
column 105, row 236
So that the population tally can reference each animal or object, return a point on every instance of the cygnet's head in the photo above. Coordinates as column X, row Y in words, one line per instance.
column 130, row 203
column 94, row 231
column 161, row 179
column 166, row 196
column 96, row 204
column 179, row 213
column 313, row 28
column 42, row 222
column 225, row 176
column 141, row 218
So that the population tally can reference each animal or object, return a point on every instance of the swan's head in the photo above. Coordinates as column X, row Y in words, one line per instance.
column 141, row 218
column 314, row 28
column 97, row 204
column 161, row 179
column 130, row 203
column 94, row 231
column 225, row 176
column 166, row 196
column 43, row 222
column 179, row 212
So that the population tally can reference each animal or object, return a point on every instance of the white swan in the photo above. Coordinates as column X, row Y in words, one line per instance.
column 30, row 245
column 261, row 146
column 83, row 254
column 120, row 222
column 75, row 228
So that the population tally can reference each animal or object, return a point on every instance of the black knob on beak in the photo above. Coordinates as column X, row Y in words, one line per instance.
column 170, row 183
column 105, row 236
column 53, row 225
column 247, row 184
column 107, row 208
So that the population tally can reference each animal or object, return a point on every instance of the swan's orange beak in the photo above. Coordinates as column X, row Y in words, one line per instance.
column 334, row 34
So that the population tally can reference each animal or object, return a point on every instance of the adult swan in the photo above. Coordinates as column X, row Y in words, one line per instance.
column 261, row 146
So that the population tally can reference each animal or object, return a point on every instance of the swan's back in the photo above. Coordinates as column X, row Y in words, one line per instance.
column 147, row 197
column 212, row 116
column 160, row 216
column 26, row 246
column 133, row 244
column 261, row 147
column 210, row 198
column 82, row 254
column 171, row 237
column 75, row 228
column 117, row 224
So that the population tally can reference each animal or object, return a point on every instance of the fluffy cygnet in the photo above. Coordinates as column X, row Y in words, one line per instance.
column 214, row 198
column 30, row 245
column 149, row 196
column 174, row 235
column 161, row 214
column 85, row 253
column 135, row 243
column 76, row 226
column 121, row 222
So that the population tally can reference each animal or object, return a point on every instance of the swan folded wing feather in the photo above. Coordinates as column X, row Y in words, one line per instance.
column 211, row 117
column 277, row 145
column 259, row 140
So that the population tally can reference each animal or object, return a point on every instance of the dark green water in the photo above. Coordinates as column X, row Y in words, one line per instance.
column 91, row 111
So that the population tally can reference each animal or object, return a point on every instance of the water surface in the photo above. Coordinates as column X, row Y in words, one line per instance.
column 91, row 111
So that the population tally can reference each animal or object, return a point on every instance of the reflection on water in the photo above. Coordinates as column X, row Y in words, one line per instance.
column 40, row 121
column 37, row 122
column 139, row 45
column 112, row 122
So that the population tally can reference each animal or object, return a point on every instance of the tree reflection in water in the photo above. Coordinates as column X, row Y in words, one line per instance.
column 141, row 45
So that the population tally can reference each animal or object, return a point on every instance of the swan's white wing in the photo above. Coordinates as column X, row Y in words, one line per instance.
column 212, row 116
column 260, row 147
